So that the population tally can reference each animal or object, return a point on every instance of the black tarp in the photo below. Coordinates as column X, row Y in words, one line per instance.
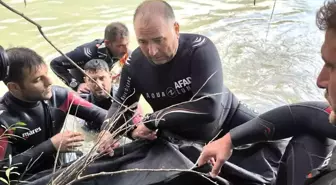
column 158, row 154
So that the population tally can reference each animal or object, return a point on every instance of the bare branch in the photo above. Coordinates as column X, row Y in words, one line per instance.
column 269, row 22
column 30, row 165
column 203, row 85
column 59, row 147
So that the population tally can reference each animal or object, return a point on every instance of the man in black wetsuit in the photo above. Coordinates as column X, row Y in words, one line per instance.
column 181, row 77
column 99, row 71
column 113, row 47
column 307, row 122
column 33, row 113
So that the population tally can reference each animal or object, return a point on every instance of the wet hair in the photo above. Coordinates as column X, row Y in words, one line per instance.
column 115, row 30
column 95, row 65
column 155, row 6
column 21, row 58
column 326, row 16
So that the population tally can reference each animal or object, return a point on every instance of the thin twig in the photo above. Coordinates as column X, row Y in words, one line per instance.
column 30, row 165
column 81, row 163
column 59, row 147
column 195, row 165
column 269, row 22
column 206, row 81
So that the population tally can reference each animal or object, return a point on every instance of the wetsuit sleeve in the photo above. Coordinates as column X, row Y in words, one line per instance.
column 81, row 108
column 286, row 121
column 60, row 65
column 126, row 94
column 23, row 160
column 207, row 80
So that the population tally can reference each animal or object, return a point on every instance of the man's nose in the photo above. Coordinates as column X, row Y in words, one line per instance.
column 47, row 81
column 99, row 82
column 152, row 49
column 323, row 78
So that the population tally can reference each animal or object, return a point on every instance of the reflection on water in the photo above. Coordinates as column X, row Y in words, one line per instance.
column 264, row 73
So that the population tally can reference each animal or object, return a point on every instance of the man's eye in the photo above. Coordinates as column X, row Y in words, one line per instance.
column 158, row 41
column 142, row 42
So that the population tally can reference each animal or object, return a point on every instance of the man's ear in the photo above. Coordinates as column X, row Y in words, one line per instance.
column 107, row 42
column 177, row 29
column 13, row 87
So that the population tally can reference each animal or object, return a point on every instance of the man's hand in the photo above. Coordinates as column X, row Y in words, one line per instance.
column 219, row 151
column 83, row 88
column 138, row 115
column 68, row 140
column 106, row 143
column 142, row 132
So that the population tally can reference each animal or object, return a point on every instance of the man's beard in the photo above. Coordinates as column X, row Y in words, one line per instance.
column 101, row 95
column 332, row 118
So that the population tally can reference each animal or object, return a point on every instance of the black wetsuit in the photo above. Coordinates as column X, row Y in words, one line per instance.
column 44, row 119
column 195, row 73
column 81, row 55
column 105, row 103
column 325, row 173
column 308, row 125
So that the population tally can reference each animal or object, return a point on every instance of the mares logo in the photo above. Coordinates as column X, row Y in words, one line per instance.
column 180, row 87
column 31, row 132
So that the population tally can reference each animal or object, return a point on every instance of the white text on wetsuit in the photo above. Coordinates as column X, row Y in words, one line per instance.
column 126, row 88
column 31, row 132
column 180, row 87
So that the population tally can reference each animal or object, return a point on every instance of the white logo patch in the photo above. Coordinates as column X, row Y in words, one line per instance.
column 87, row 52
column 31, row 132
column 198, row 41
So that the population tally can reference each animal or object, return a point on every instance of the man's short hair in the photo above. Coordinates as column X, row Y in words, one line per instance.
column 326, row 16
column 19, row 59
column 95, row 65
column 115, row 30
column 148, row 7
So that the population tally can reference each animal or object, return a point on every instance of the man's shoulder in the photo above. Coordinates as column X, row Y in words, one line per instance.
column 193, row 40
column 7, row 114
column 94, row 48
column 59, row 92
column 136, row 57
column 3, row 105
column 95, row 43
column 4, row 101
